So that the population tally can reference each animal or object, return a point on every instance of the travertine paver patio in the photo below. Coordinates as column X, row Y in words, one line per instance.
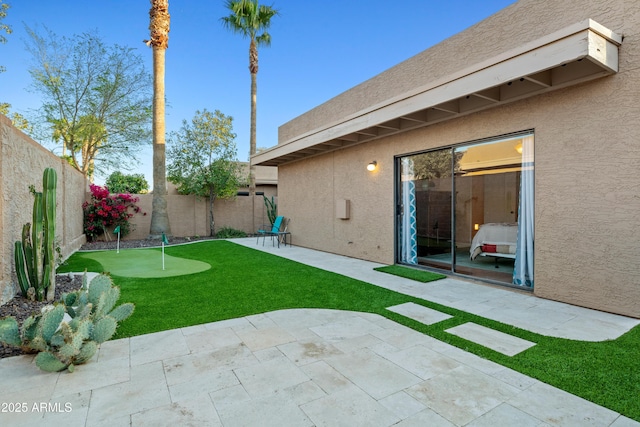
column 495, row 340
column 304, row 367
column 420, row 313
column 309, row 367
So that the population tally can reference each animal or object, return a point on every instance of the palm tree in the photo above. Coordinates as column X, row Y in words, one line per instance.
column 159, row 28
column 249, row 18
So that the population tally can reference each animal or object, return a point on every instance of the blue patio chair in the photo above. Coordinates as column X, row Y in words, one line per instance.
column 283, row 234
column 275, row 229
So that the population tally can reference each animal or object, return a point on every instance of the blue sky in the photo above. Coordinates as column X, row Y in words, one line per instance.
column 320, row 48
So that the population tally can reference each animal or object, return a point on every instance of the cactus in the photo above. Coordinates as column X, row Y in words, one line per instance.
column 86, row 352
column 49, row 362
column 23, row 281
column 122, row 311
column 104, row 329
column 34, row 255
column 272, row 208
column 50, row 321
column 29, row 327
column 9, row 332
column 99, row 285
column 49, row 185
column 63, row 345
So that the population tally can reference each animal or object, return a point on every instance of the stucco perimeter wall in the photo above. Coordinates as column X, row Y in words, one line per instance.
column 22, row 162
column 587, row 150
column 189, row 215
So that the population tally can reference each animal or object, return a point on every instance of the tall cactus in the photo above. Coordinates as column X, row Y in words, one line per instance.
column 49, row 185
column 35, row 254
column 272, row 208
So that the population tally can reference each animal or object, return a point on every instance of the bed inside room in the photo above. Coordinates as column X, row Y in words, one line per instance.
column 495, row 240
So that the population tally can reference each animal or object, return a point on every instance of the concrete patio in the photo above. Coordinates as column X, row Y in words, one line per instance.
column 312, row 367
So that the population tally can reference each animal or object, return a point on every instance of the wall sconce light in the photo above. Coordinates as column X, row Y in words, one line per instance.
column 519, row 147
column 476, row 227
column 372, row 166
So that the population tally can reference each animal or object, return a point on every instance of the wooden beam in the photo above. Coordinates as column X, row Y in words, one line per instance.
column 543, row 78
column 418, row 116
column 452, row 106
column 391, row 124
column 368, row 132
column 492, row 94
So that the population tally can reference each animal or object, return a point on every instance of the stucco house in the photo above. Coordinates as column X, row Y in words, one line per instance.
column 507, row 153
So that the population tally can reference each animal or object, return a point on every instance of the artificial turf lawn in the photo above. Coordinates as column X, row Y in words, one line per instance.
column 145, row 263
column 411, row 273
column 243, row 281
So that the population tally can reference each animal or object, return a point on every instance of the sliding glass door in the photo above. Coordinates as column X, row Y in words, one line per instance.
column 428, row 176
column 469, row 209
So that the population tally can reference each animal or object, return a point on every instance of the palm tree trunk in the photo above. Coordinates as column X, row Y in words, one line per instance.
column 253, row 69
column 252, row 135
column 159, row 41
column 212, row 224
column 159, row 216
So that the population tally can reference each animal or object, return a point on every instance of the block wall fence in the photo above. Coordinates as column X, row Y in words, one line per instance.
column 22, row 162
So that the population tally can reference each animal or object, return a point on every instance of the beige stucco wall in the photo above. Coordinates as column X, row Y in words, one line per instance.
column 189, row 215
column 586, row 154
column 22, row 162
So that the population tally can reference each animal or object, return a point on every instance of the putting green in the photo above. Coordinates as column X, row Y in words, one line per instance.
column 145, row 263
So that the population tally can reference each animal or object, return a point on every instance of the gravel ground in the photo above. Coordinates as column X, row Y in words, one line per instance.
column 145, row 243
column 21, row 308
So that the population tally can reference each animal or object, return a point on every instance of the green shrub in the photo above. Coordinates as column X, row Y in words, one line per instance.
column 229, row 233
column 118, row 183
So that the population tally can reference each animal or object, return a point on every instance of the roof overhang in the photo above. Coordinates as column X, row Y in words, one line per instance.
column 578, row 53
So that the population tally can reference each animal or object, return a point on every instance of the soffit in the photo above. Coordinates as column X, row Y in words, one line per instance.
column 578, row 53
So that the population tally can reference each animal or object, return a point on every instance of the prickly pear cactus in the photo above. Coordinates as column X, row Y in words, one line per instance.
column 9, row 332
column 63, row 345
column 104, row 329
column 47, row 361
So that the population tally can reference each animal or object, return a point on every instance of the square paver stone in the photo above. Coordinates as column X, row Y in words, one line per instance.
column 350, row 406
column 420, row 313
column 495, row 340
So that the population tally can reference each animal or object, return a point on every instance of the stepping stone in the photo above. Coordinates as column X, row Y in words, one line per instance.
column 498, row 341
column 420, row 313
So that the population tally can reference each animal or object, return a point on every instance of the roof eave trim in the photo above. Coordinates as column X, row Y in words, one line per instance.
column 584, row 40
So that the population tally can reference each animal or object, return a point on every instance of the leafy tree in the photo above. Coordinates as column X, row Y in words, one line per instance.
column 435, row 164
column 4, row 107
column 96, row 98
column 202, row 158
column 159, row 41
column 135, row 183
column 3, row 27
column 17, row 119
column 251, row 20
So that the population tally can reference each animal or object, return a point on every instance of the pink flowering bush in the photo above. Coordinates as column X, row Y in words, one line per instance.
column 108, row 210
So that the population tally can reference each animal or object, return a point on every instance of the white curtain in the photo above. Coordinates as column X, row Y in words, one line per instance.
column 409, row 232
column 523, row 269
